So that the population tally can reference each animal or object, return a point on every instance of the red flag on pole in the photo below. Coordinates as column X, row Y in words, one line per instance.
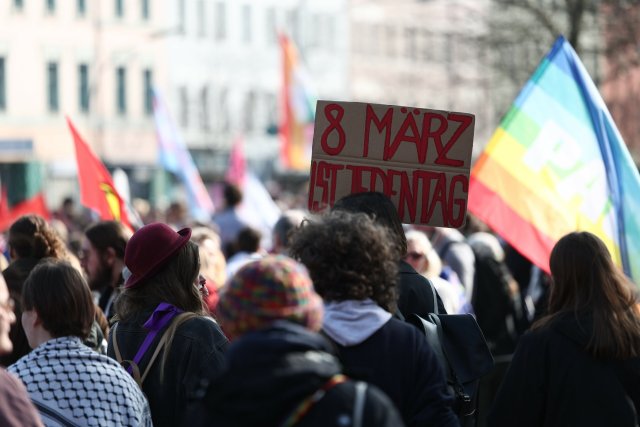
column 97, row 191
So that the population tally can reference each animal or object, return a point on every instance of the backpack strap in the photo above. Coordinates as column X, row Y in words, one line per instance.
column 305, row 406
column 435, row 298
column 135, row 370
column 463, row 400
column 358, row 406
column 167, row 334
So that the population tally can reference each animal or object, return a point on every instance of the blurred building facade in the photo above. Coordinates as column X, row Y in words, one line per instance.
column 225, row 72
column 421, row 53
column 621, row 70
column 88, row 60
column 217, row 63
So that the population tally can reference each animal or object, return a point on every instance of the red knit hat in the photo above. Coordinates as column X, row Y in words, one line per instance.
column 150, row 248
column 272, row 288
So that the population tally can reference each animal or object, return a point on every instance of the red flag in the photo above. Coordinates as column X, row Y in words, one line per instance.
column 9, row 214
column 97, row 191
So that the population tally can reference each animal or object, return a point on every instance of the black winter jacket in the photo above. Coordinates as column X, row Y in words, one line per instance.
column 415, row 293
column 268, row 374
column 553, row 381
column 398, row 359
column 196, row 354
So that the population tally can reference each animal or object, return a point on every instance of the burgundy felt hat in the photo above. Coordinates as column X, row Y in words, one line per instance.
column 150, row 248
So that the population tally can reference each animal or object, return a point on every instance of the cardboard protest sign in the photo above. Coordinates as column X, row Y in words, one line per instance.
column 419, row 158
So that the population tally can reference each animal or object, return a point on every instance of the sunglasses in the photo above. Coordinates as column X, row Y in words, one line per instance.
column 414, row 256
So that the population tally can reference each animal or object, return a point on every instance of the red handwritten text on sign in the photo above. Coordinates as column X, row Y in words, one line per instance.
column 420, row 158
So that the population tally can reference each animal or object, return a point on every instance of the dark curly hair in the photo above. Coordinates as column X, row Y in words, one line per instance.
column 379, row 207
column 349, row 257
column 31, row 237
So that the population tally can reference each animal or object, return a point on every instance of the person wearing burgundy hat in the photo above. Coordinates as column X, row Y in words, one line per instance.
column 163, row 334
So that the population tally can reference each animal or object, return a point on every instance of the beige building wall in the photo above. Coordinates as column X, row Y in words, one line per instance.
column 33, row 36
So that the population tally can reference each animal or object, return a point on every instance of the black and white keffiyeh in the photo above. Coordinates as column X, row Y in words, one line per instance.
column 71, row 385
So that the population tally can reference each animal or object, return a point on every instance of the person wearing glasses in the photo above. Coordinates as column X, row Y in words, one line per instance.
column 425, row 260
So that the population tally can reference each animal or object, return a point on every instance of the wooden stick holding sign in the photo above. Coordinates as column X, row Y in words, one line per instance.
column 420, row 158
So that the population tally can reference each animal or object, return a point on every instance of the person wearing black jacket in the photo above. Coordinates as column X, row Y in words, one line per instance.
column 580, row 364
column 161, row 312
column 279, row 371
column 351, row 261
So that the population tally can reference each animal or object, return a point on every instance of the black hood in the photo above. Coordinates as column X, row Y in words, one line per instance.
column 577, row 328
column 268, row 373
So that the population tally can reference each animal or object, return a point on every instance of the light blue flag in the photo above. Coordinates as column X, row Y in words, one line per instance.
column 175, row 158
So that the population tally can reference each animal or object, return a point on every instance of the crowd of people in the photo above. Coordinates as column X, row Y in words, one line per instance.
column 180, row 323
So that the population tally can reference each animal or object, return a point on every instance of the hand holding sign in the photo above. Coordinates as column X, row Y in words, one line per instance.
column 419, row 158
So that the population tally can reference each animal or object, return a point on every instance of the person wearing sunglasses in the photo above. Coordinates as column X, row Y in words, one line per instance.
column 424, row 259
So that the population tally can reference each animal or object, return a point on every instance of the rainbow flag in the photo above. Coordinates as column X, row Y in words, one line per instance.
column 297, row 103
column 558, row 164
column 175, row 157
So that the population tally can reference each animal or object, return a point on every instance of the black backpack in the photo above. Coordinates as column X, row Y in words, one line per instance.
column 463, row 353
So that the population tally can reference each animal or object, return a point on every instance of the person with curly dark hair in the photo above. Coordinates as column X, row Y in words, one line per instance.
column 415, row 292
column 351, row 261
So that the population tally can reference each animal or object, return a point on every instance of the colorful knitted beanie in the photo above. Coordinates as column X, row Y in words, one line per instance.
column 273, row 288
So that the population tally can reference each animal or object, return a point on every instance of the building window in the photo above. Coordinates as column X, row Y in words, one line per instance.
column 121, row 90
column 410, row 46
column 204, row 109
column 51, row 6
column 330, row 25
column 3, row 85
column 182, row 16
column 222, row 111
column 119, row 8
column 271, row 107
column 18, row 4
column 250, row 112
column 246, row 23
column 52, row 87
column 184, row 107
column 272, row 26
column 390, row 40
column 146, row 11
column 220, row 30
column 83, row 87
column 81, row 6
column 201, row 18
column 148, row 92
column 292, row 24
